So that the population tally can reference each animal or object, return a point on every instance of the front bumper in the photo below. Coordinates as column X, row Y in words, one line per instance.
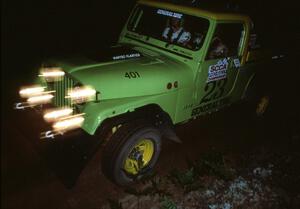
column 65, row 155
column 51, row 132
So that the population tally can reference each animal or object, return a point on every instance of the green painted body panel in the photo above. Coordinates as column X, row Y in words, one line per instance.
column 159, row 66
column 96, row 113
column 154, row 75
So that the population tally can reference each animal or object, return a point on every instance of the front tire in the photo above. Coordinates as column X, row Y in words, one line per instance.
column 131, row 153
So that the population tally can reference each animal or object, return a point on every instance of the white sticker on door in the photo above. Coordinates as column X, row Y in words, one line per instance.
column 217, row 71
column 237, row 63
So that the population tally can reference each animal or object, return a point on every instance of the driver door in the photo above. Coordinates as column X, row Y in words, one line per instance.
column 219, row 70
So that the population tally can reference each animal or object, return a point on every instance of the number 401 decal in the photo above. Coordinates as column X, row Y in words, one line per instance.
column 132, row 75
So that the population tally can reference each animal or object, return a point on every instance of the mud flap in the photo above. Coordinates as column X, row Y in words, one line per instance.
column 169, row 133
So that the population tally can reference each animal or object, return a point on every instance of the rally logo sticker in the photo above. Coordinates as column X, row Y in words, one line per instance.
column 237, row 63
column 169, row 13
column 217, row 71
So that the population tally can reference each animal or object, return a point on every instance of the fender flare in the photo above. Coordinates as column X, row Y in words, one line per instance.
column 152, row 113
column 249, row 87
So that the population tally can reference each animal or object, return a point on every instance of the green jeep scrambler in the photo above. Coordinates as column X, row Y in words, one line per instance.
column 171, row 64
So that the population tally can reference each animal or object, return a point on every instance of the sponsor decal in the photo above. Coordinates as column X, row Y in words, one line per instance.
column 237, row 63
column 217, row 71
column 187, row 106
column 126, row 56
column 209, row 106
column 169, row 13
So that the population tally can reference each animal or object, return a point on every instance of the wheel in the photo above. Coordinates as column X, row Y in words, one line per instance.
column 262, row 105
column 258, row 98
column 258, row 108
column 131, row 153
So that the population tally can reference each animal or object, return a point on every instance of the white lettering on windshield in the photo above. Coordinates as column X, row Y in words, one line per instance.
column 169, row 13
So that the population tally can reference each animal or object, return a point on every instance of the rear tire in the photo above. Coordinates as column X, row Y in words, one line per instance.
column 258, row 99
column 131, row 153
column 262, row 105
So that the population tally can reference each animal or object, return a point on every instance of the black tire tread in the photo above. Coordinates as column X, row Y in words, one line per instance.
column 116, row 142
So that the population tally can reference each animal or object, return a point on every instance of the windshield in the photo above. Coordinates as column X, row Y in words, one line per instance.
column 171, row 27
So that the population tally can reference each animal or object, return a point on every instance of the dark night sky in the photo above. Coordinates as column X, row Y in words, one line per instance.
column 33, row 30
column 37, row 29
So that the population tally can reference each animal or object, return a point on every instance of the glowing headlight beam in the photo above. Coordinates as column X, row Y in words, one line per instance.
column 56, row 114
column 81, row 93
column 52, row 72
column 68, row 123
column 41, row 99
column 31, row 91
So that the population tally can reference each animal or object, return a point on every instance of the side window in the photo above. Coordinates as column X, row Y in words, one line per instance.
column 226, row 41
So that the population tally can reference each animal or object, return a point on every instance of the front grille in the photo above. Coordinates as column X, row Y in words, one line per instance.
column 61, row 87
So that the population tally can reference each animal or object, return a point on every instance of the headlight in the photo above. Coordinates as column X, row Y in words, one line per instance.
column 55, row 114
column 35, row 95
column 27, row 92
column 52, row 73
column 81, row 94
column 68, row 123
column 40, row 99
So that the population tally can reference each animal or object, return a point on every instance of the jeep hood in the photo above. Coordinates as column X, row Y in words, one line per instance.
column 141, row 76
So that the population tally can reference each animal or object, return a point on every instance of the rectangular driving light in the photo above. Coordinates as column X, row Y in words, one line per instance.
column 68, row 123
column 51, row 74
column 27, row 92
column 55, row 114
column 81, row 94
column 40, row 99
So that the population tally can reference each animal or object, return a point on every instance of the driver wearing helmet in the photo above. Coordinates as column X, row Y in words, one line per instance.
column 175, row 33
